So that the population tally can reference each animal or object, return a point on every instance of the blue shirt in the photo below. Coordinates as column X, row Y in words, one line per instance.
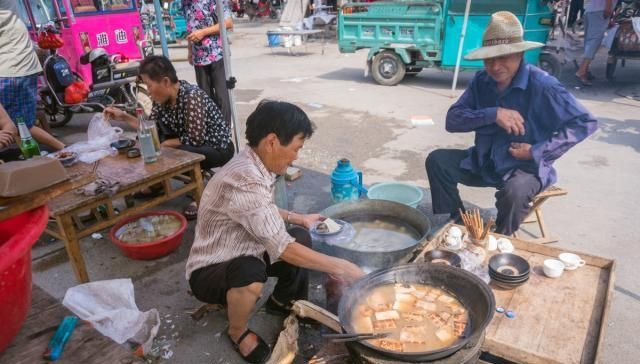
column 554, row 122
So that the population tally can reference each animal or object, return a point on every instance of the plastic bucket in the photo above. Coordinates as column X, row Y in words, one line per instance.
column 17, row 235
column 395, row 191
column 273, row 39
column 154, row 249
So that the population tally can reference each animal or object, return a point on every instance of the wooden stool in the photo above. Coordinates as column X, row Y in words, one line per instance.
column 536, row 205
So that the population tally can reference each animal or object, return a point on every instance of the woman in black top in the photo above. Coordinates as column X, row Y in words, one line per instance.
column 186, row 116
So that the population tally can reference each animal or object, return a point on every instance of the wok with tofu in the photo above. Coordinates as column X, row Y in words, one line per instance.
column 430, row 310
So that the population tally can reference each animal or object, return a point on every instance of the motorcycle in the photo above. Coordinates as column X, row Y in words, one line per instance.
column 114, row 83
column 262, row 8
column 237, row 7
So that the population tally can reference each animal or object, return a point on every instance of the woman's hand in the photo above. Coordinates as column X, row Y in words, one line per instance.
column 196, row 35
column 115, row 114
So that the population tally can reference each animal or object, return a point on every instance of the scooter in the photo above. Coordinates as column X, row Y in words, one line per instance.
column 261, row 8
column 114, row 83
column 237, row 7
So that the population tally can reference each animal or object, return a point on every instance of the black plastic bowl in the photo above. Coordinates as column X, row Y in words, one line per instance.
column 509, row 265
column 439, row 256
column 471, row 291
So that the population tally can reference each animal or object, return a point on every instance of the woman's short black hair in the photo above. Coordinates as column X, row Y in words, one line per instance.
column 157, row 68
column 284, row 119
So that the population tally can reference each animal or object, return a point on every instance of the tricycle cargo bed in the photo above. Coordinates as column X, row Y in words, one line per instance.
column 399, row 24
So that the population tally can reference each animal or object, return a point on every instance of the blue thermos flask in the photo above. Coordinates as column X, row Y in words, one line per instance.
column 346, row 183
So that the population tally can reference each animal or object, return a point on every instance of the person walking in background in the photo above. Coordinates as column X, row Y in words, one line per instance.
column 19, row 69
column 596, row 20
column 205, row 49
column 576, row 7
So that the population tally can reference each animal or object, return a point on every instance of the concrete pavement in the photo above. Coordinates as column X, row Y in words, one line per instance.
column 370, row 124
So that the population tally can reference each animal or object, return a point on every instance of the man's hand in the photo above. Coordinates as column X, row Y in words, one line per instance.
column 196, row 35
column 349, row 272
column 510, row 120
column 310, row 219
column 521, row 151
column 6, row 138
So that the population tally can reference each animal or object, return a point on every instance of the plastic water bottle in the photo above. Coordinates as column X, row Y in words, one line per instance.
column 28, row 145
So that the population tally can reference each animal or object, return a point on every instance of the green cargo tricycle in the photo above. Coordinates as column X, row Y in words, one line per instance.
column 405, row 36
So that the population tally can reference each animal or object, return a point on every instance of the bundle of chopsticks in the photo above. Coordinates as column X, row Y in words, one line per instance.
column 475, row 225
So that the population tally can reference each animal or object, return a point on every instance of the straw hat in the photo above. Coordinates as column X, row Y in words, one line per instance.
column 502, row 36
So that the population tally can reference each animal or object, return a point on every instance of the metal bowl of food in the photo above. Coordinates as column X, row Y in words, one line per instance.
column 123, row 144
column 66, row 158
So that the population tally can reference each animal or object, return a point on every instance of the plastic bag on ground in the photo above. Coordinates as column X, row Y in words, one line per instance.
column 111, row 308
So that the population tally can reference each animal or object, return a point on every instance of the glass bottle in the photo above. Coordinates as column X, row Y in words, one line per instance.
column 151, row 126
column 28, row 145
column 146, row 144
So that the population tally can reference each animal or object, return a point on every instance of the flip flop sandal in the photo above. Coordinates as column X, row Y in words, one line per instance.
column 191, row 212
column 260, row 353
column 590, row 76
column 154, row 191
column 584, row 80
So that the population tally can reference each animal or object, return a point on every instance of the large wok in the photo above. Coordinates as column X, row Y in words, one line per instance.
column 472, row 292
column 373, row 209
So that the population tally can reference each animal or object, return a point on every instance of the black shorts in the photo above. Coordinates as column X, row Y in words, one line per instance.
column 211, row 283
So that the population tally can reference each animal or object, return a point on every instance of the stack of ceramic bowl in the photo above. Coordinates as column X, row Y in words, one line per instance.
column 508, row 270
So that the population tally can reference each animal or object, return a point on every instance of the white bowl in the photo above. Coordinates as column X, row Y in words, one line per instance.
column 571, row 261
column 553, row 268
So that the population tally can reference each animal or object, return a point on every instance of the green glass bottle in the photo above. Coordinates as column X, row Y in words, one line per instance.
column 28, row 145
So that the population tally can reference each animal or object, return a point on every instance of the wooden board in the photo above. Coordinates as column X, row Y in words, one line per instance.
column 558, row 320
column 86, row 345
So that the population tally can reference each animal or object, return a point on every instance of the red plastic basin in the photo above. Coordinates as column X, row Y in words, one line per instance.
column 152, row 250
column 17, row 235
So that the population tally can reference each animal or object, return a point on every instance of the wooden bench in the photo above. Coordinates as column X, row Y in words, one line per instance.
column 535, row 215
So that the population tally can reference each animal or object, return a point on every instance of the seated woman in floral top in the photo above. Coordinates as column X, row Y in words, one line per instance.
column 186, row 116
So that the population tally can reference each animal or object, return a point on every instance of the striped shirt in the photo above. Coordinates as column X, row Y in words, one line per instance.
column 238, row 216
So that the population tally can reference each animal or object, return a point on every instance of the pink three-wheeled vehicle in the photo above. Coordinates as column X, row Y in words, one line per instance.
column 103, row 43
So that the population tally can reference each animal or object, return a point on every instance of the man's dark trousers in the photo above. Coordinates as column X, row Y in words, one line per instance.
column 513, row 197
column 211, row 79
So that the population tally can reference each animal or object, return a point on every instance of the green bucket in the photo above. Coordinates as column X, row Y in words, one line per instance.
column 396, row 191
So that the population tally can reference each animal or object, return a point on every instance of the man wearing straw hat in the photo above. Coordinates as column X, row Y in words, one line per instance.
column 523, row 120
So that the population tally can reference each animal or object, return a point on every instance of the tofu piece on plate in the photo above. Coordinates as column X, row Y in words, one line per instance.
column 428, row 306
column 444, row 334
column 445, row 315
column 381, row 325
column 365, row 310
column 387, row 315
column 418, row 294
column 414, row 334
column 390, row 344
column 436, row 319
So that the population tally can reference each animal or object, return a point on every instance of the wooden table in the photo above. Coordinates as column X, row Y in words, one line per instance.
column 12, row 206
column 133, row 175
column 86, row 345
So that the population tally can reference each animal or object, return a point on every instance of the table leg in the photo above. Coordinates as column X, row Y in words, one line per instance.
column 72, row 244
column 196, row 175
